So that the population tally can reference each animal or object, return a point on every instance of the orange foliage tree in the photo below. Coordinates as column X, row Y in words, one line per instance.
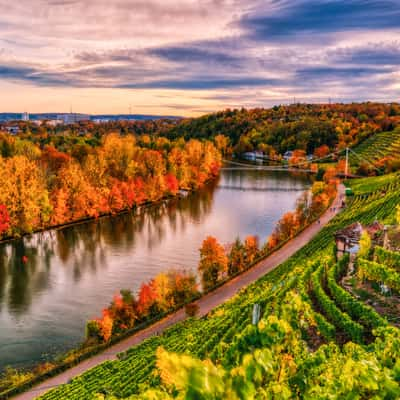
column 45, row 187
column 213, row 263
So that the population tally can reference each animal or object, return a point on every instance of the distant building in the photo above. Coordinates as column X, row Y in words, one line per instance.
column 288, row 155
column 249, row 155
column 101, row 120
column 25, row 116
column 54, row 122
column 13, row 130
column 72, row 118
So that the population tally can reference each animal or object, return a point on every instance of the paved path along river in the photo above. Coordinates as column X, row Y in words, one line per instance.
column 206, row 304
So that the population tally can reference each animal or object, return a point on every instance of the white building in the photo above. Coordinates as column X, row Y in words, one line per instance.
column 54, row 122
column 25, row 116
column 72, row 118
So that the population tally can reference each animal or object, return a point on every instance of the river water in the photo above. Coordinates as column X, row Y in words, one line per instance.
column 72, row 273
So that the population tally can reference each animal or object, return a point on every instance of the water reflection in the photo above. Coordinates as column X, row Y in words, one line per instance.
column 84, row 246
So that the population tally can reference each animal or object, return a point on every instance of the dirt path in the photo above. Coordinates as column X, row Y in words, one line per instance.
column 206, row 304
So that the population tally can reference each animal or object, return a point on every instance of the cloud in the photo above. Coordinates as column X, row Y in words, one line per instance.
column 337, row 73
column 33, row 76
column 211, row 52
column 196, row 83
column 299, row 18
column 372, row 54
column 196, row 54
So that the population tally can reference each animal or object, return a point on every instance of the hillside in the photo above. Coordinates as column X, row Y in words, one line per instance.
column 296, row 126
column 379, row 150
column 294, row 299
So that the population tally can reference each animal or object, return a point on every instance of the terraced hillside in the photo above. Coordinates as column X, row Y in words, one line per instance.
column 377, row 147
column 311, row 275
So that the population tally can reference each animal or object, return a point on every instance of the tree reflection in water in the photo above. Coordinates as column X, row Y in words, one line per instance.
column 85, row 246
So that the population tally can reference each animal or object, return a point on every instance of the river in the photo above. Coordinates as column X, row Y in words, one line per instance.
column 72, row 273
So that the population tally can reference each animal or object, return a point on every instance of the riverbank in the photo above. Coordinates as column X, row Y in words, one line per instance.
column 205, row 303
column 136, row 210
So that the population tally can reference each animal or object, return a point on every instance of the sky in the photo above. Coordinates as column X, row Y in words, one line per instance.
column 191, row 57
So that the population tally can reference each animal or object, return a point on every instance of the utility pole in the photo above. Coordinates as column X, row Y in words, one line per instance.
column 346, row 170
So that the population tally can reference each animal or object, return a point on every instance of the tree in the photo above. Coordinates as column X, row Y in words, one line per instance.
column 146, row 300
column 24, row 193
column 162, row 289
column 183, row 286
column 123, row 311
column 365, row 245
column 171, row 183
column 4, row 219
column 236, row 262
column 106, row 326
column 321, row 151
column 213, row 262
column 251, row 245
column 222, row 143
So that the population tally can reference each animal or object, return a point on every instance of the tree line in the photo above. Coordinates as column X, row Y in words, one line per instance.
column 43, row 186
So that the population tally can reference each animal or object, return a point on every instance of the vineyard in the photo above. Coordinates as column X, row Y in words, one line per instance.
column 331, row 314
column 377, row 147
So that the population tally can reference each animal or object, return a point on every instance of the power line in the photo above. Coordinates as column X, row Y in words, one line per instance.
column 364, row 159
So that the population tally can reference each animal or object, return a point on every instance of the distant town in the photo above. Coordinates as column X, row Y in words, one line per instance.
column 11, row 122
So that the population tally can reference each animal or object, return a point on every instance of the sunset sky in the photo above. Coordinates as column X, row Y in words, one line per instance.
column 191, row 57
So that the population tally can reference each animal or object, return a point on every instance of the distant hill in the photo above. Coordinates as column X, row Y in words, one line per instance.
column 112, row 117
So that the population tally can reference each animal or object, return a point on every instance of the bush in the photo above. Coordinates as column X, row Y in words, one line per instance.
column 192, row 309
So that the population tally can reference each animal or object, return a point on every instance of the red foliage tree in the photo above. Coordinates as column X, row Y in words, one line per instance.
column 5, row 223
column 172, row 183
column 147, row 299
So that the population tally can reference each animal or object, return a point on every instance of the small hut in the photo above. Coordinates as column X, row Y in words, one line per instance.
column 348, row 239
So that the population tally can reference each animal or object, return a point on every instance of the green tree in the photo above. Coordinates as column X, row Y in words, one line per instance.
column 365, row 245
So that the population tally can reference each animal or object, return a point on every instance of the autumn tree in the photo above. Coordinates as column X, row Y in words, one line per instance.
column 4, row 219
column 106, row 326
column 236, row 260
column 222, row 143
column 183, row 286
column 24, row 193
column 213, row 262
column 321, row 151
column 123, row 311
column 147, row 299
column 251, row 247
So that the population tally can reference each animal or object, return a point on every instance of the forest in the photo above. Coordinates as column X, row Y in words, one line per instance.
column 297, row 126
column 280, row 128
column 45, row 185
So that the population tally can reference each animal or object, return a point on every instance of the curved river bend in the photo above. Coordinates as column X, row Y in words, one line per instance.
column 72, row 273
